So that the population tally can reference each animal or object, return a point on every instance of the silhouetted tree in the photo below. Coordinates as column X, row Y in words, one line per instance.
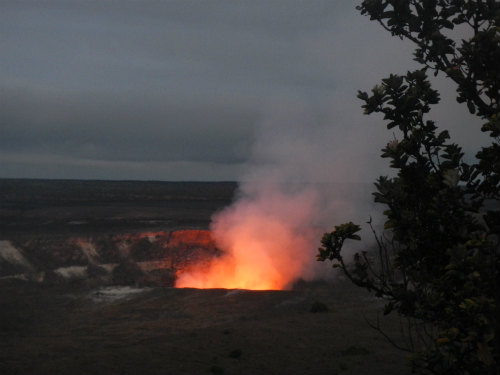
column 438, row 259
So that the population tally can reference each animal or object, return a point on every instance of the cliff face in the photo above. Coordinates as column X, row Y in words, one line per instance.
column 107, row 232
column 145, row 258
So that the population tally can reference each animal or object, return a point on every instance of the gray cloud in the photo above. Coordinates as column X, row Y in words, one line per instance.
column 112, row 127
column 182, row 89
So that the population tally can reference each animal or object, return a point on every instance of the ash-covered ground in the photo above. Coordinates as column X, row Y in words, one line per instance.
column 86, row 275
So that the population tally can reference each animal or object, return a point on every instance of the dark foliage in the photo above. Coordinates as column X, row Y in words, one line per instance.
column 438, row 260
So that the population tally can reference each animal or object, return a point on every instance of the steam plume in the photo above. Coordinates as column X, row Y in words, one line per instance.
column 294, row 189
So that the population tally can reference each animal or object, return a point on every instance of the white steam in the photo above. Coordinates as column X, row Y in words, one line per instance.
column 307, row 173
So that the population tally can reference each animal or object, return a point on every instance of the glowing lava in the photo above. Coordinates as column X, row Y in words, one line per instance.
column 264, row 243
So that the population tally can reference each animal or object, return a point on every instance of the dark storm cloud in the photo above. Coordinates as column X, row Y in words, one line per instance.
column 148, row 81
column 161, row 45
column 111, row 89
column 112, row 127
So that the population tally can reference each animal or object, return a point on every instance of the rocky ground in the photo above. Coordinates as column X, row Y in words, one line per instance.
column 86, row 270
column 67, row 329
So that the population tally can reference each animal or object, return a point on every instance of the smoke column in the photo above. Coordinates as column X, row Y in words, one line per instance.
column 298, row 184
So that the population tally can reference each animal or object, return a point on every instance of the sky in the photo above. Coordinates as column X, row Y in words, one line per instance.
column 198, row 90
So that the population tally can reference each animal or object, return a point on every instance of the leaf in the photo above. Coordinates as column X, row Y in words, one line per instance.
column 442, row 340
column 484, row 354
column 388, row 308
column 388, row 225
column 451, row 177
column 363, row 95
column 471, row 106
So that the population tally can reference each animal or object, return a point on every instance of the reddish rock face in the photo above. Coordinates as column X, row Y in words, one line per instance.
column 155, row 257
column 191, row 238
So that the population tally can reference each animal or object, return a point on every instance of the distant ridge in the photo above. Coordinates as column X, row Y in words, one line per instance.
column 7, row 180
column 52, row 207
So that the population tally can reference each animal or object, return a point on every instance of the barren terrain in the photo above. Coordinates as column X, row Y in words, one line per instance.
column 74, row 329
column 86, row 326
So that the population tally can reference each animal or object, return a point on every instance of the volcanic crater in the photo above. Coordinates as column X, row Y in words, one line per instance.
column 87, row 275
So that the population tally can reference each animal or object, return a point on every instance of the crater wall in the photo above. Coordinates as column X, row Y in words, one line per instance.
column 145, row 258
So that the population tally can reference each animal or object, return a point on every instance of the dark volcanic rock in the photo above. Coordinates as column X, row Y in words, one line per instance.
column 85, row 229
column 161, row 277
column 127, row 273
column 143, row 250
column 52, row 278
column 151, row 258
column 52, row 253
column 95, row 271
column 7, row 268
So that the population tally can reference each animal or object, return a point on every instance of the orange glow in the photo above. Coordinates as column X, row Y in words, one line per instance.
column 265, row 247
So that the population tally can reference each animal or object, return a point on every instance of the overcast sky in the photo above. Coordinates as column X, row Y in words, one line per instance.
column 191, row 90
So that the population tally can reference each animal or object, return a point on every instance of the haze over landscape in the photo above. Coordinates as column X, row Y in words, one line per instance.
column 191, row 90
